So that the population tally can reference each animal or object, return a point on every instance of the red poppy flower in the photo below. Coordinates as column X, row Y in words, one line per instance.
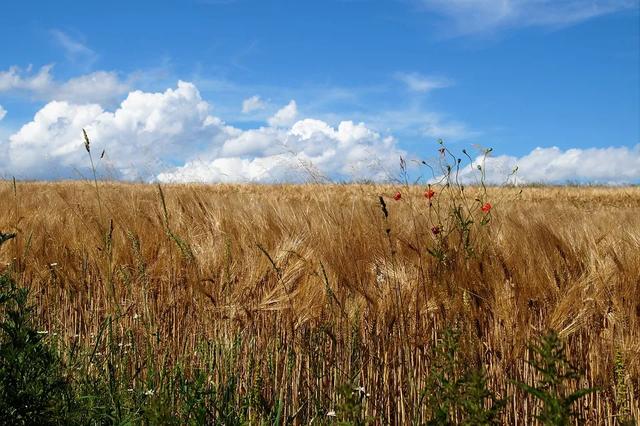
column 435, row 230
column 397, row 196
column 486, row 207
column 429, row 193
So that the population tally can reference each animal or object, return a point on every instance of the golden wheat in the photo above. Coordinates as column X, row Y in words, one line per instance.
column 284, row 266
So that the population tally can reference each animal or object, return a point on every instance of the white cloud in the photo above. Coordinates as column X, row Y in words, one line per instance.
column 100, row 86
column 16, row 79
column 3, row 112
column 146, row 134
column 234, row 169
column 285, row 116
column 420, row 83
column 310, row 149
column 171, row 136
column 611, row 165
column 470, row 16
column 251, row 104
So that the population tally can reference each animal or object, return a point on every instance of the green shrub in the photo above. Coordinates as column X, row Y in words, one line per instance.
column 556, row 373
column 457, row 393
column 33, row 389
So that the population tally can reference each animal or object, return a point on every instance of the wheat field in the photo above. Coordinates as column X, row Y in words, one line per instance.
column 301, row 289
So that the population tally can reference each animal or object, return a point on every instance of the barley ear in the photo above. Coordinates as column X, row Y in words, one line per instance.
column 87, row 144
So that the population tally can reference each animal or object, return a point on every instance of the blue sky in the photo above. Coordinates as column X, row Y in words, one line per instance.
column 542, row 82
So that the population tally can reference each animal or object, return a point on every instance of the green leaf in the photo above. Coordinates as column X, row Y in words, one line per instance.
column 534, row 391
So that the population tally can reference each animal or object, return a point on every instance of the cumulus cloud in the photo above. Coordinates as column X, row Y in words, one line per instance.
column 611, row 165
column 3, row 112
column 285, row 116
column 234, row 169
column 171, row 136
column 251, row 104
column 470, row 16
column 420, row 83
column 147, row 133
column 96, row 87
column 310, row 149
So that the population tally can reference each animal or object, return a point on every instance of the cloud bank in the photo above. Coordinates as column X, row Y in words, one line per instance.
column 172, row 136
column 611, row 165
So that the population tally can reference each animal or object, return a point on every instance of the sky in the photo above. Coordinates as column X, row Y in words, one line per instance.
column 278, row 91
